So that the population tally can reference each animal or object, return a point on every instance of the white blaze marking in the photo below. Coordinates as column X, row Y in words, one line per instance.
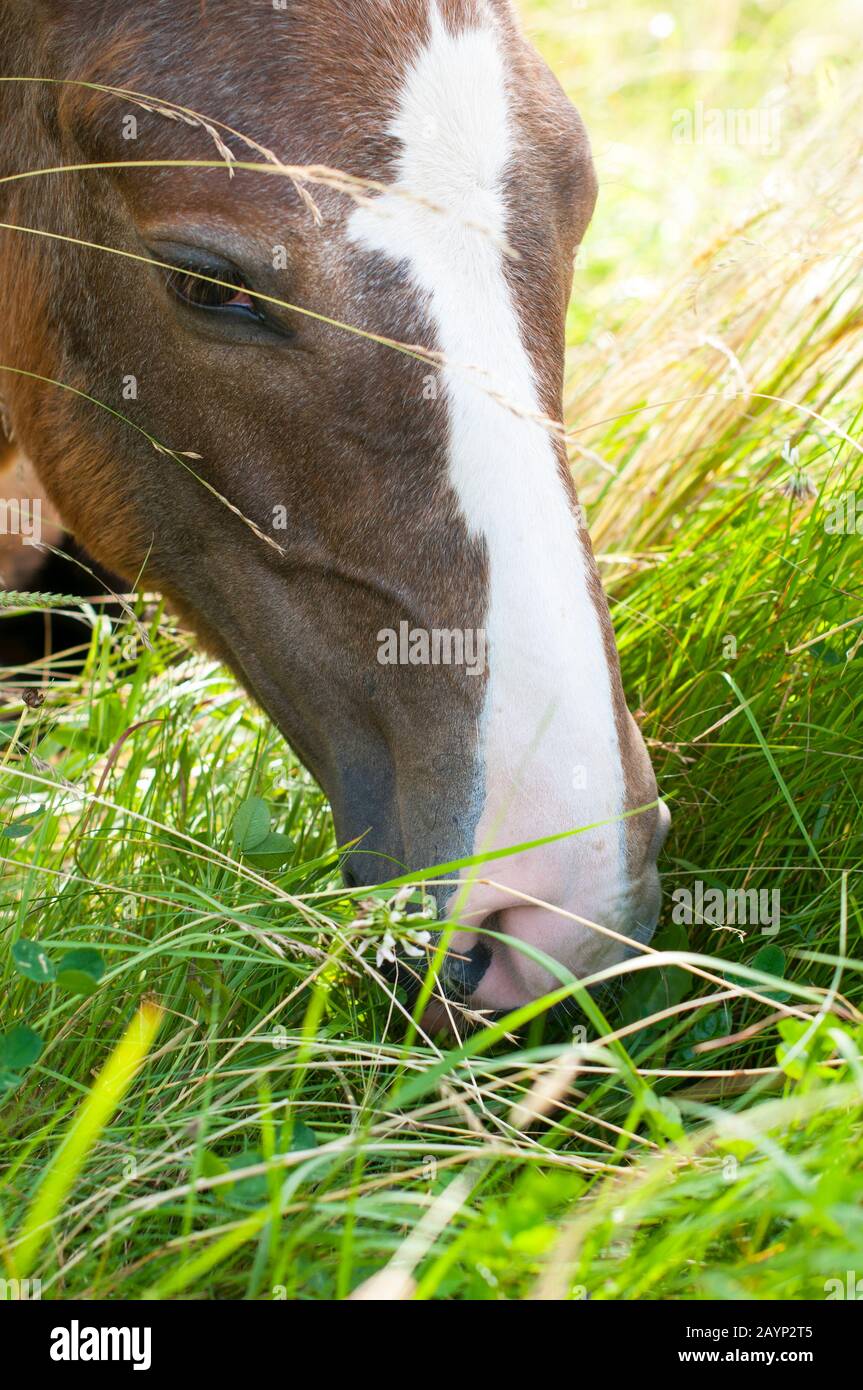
column 549, row 723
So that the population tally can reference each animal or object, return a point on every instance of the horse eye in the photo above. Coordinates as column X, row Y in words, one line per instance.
column 187, row 286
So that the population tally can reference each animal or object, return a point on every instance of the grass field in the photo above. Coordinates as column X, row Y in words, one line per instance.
column 208, row 1088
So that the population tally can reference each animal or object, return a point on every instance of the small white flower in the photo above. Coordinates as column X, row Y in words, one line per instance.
column 386, row 950
column 790, row 454
column 395, row 933
column 415, row 943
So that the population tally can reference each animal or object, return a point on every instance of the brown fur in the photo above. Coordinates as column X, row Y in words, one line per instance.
column 332, row 427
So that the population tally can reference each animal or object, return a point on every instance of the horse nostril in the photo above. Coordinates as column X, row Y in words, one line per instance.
column 462, row 973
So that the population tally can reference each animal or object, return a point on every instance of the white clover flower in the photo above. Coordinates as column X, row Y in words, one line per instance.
column 386, row 950
column 415, row 942
column 396, row 932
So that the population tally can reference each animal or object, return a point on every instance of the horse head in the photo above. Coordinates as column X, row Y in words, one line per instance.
column 378, row 531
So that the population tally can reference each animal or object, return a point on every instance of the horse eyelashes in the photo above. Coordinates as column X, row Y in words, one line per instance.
column 187, row 285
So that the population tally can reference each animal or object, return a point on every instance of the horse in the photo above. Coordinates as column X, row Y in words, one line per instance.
column 284, row 292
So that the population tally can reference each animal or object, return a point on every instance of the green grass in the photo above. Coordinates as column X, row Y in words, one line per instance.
column 282, row 1130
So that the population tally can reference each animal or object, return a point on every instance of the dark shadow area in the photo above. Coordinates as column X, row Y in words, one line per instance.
column 29, row 637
